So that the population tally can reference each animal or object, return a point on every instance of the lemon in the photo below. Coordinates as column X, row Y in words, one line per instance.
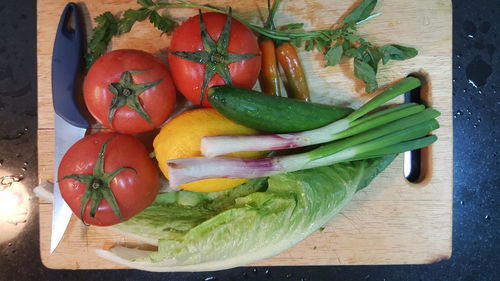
column 181, row 137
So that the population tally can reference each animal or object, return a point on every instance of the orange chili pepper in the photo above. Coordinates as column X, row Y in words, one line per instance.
column 296, row 82
column 269, row 74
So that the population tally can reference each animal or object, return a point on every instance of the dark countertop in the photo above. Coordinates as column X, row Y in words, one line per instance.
column 476, row 211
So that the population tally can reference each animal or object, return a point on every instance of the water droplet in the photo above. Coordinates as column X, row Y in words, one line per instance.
column 25, row 163
column 487, row 217
column 426, row 20
column 24, row 169
column 462, row 202
column 367, row 277
column 478, row 71
column 10, row 244
column 288, row 275
column 7, row 181
column 478, row 120
column 469, row 29
column 458, row 113
column 1, row 162
column 268, row 273
column 255, row 271
column 211, row 278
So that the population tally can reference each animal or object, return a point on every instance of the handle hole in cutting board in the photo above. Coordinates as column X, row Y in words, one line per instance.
column 417, row 162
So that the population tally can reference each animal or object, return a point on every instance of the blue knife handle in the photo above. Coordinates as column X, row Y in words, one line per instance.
column 67, row 63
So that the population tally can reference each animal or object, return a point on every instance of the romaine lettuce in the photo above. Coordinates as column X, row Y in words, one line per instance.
column 213, row 231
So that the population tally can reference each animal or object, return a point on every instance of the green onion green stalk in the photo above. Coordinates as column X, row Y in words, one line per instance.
column 358, row 136
column 353, row 124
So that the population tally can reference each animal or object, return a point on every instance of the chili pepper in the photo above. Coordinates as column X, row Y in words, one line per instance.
column 269, row 77
column 296, row 83
column 269, row 74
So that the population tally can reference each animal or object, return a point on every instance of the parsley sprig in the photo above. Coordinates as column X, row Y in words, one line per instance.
column 335, row 43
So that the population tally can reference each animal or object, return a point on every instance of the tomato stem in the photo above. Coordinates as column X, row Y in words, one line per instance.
column 215, row 55
column 127, row 93
column 98, row 186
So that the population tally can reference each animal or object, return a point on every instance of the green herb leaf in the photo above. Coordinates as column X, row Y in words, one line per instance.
column 130, row 17
column 107, row 27
column 351, row 52
column 321, row 44
column 397, row 52
column 365, row 72
column 309, row 45
column 293, row 26
column 373, row 57
column 352, row 37
column 164, row 24
column 296, row 42
column 361, row 12
column 334, row 54
column 146, row 3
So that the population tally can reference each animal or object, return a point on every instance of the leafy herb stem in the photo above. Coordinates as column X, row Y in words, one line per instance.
column 335, row 43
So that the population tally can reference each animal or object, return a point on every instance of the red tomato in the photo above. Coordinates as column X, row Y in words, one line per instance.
column 188, row 75
column 133, row 190
column 157, row 102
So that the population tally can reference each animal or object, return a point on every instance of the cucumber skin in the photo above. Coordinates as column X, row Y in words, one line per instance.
column 269, row 113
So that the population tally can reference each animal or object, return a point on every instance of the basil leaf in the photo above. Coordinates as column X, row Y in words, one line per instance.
column 397, row 52
column 361, row 12
column 334, row 54
column 365, row 72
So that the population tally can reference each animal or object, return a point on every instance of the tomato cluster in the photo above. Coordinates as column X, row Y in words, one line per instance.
column 109, row 177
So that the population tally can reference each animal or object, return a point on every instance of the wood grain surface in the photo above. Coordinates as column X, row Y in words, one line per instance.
column 390, row 222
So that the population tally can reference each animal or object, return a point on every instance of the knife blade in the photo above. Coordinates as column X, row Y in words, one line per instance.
column 69, row 123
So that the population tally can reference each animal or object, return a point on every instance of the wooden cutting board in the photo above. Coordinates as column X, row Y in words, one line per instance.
column 390, row 222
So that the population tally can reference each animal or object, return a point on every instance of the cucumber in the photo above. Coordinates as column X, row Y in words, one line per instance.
column 269, row 113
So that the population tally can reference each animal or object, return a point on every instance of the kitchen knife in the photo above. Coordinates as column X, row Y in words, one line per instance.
column 69, row 124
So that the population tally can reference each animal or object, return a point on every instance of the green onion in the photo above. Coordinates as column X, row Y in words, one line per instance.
column 358, row 136
column 366, row 145
column 355, row 123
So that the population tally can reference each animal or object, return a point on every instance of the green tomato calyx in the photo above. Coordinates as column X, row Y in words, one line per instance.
column 125, row 92
column 98, row 186
column 215, row 57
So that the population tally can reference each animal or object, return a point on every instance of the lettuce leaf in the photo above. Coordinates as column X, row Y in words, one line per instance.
column 213, row 231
